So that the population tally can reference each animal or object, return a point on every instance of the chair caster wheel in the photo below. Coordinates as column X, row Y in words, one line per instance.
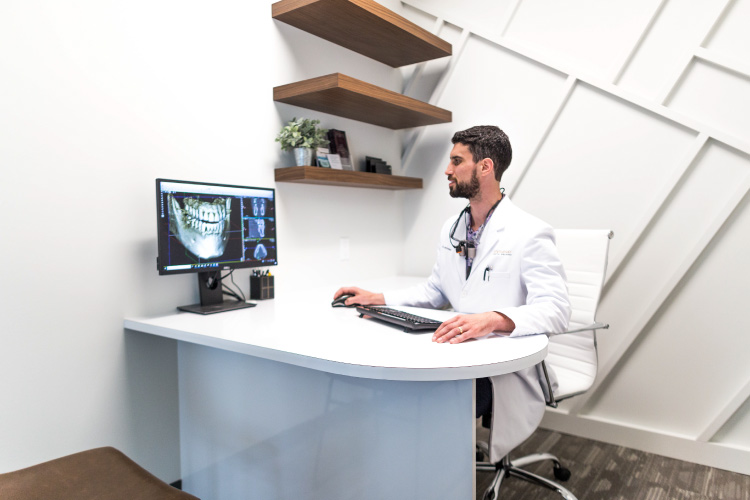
column 561, row 473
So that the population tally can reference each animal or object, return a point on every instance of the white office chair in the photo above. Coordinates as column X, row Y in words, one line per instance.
column 571, row 355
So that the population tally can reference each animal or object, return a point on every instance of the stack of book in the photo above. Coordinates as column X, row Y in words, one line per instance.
column 339, row 156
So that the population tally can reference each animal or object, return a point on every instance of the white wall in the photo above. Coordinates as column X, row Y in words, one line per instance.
column 633, row 116
column 97, row 99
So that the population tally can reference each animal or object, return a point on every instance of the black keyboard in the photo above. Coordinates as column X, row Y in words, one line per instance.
column 409, row 322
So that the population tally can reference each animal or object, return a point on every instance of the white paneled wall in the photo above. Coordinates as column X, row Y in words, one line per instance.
column 632, row 116
column 708, row 93
column 604, row 153
column 681, row 26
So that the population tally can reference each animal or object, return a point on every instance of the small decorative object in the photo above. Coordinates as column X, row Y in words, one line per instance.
column 376, row 165
column 302, row 136
column 340, row 146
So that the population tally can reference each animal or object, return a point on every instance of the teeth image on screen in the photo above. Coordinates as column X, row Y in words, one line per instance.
column 256, row 228
column 259, row 207
column 202, row 226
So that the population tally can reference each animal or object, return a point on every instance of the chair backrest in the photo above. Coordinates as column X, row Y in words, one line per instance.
column 573, row 356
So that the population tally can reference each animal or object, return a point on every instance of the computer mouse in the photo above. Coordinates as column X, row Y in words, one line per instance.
column 339, row 302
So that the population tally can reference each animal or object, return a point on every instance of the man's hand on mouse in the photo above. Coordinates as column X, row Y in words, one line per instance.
column 362, row 297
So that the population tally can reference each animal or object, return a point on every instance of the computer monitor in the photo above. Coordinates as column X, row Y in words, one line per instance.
column 208, row 228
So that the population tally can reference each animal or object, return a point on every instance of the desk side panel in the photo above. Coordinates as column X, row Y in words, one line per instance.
column 256, row 428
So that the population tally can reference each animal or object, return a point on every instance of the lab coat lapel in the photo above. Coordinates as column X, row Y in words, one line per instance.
column 490, row 237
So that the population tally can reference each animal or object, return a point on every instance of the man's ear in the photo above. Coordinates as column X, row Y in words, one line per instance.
column 487, row 166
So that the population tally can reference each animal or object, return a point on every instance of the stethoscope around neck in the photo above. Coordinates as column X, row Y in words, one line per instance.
column 463, row 248
column 466, row 248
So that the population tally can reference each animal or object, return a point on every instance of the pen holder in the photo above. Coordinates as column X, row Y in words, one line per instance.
column 261, row 287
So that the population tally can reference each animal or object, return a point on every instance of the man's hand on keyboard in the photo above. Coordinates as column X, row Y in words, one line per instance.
column 470, row 326
column 359, row 296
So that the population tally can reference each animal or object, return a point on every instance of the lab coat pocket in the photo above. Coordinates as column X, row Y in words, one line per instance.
column 498, row 275
column 495, row 289
column 496, row 278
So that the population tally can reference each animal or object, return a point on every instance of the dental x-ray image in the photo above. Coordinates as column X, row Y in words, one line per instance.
column 259, row 207
column 206, row 226
column 256, row 228
column 203, row 225
column 260, row 229
column 260, row 252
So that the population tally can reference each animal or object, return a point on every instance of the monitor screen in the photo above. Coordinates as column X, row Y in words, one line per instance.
column 208, row 227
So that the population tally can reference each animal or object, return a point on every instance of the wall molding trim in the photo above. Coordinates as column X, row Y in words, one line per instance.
column 686, row 448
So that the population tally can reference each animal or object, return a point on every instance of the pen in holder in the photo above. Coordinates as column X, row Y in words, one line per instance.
column 261, row 287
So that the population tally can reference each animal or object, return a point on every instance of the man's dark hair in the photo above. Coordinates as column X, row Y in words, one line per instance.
column 487, row 141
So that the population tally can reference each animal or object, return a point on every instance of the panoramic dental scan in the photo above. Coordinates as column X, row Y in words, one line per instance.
column 201, row 225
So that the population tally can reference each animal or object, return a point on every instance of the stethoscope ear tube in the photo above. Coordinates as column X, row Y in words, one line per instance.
column 462, row 247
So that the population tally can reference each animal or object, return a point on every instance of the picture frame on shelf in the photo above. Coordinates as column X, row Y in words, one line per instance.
column 335, row 161
column 340, row 146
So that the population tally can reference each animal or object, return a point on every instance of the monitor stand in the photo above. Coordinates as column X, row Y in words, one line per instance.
column 212, row 297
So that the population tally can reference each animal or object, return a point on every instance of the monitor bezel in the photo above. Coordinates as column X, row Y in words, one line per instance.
column 222, row 266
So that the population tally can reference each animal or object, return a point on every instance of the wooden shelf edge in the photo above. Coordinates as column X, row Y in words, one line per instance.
column 331, row 177
column 342, row 95
column 363, row 26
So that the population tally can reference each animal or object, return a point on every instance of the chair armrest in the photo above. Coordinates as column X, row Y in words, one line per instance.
column 549, row 397
column 592, row 326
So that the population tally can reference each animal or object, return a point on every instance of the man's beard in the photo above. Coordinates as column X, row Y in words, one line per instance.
column 467, row 190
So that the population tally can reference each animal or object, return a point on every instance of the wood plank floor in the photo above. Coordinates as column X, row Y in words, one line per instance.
column 605, row 471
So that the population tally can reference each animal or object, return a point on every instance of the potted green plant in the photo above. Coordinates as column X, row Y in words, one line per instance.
column 302, row 136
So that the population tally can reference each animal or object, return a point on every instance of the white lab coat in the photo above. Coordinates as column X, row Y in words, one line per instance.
column 516, row 271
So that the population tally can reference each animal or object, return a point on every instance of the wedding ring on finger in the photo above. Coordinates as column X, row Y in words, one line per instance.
column 460, row 331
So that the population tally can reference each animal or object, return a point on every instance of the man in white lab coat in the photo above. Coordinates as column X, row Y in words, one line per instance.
column 499, row 267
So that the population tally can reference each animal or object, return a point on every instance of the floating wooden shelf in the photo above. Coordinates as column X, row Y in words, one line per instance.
column 345, row 96
column 331, row 177
column 363, row 26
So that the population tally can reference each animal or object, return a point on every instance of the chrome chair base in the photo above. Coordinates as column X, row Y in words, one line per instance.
column 506, row 467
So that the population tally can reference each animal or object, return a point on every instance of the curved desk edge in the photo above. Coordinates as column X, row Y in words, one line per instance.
column 341, row 368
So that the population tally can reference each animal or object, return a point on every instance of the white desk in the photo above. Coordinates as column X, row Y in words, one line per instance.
column 296, row 399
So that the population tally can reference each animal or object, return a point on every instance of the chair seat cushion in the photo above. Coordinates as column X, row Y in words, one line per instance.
column 573, row 358
column 571, row 382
